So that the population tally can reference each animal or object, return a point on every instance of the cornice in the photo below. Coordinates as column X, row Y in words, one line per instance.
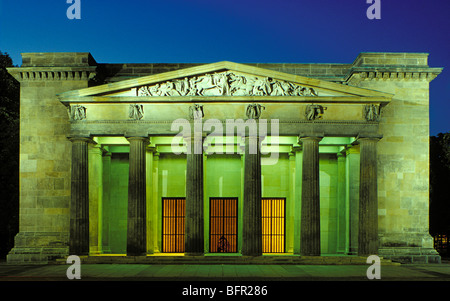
column 24, row 74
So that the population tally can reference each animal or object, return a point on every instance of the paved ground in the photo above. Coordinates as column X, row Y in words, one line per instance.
column 176, row 279
column 191, row 272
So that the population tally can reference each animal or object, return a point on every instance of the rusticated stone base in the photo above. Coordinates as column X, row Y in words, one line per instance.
column 410, row 254
column 38, row 247
column 408, row 248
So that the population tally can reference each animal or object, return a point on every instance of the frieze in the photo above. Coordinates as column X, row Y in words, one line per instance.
column 226, row 84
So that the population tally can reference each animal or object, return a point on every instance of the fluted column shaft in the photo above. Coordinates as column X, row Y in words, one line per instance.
column 252, row 223
column 79, row 198
column 368, row 198
column 310, row 216
column 194, row 219
column 136, row 230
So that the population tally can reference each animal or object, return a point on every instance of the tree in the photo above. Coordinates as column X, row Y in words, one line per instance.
column 9, row 155
column 439, row 184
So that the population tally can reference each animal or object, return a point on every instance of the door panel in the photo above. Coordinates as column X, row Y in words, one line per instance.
column 223, row 225
column 173, row 225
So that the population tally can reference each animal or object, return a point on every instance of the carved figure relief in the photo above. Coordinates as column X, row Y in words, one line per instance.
column 313, row 112
column 77, row 112
column 372, row 112
column 226, row 84
column 136, row 111
column 254, row 111
column 196, row 111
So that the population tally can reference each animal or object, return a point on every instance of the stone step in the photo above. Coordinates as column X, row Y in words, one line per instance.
column 283, row 259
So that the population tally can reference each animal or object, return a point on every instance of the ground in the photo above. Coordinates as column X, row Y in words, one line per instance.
column 173, row 279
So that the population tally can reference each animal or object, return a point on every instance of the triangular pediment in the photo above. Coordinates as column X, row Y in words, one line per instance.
column 223, row 79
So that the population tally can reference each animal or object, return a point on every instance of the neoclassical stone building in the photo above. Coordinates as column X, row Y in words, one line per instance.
column 202, row 159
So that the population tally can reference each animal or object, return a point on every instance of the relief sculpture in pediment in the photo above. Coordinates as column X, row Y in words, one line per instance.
column 226, row 84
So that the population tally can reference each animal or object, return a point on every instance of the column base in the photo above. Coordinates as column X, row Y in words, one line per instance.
column 137, row 254
column 194, row 254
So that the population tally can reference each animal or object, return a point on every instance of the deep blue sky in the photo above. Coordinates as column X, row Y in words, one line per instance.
column 276, row 31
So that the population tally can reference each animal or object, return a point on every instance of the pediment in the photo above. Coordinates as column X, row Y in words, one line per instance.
column 222, row 80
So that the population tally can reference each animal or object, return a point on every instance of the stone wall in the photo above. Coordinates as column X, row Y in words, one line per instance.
column 45, row 152
column 403, row 152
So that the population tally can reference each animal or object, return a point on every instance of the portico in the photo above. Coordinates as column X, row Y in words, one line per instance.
column 273, row 113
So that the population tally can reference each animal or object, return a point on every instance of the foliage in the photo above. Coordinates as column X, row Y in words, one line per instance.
column 439, row 184
column 9, row 155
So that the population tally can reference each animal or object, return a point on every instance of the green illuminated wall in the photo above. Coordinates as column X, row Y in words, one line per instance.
column 276, row 182
column 223, row 177
column 118, row 203
column 328, row 203
column 170, row 174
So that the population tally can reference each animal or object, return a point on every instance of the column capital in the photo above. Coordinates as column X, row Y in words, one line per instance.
column 193, row 135
column 86, row 139
column 151, row 149
column 156, row 155
column 96, row 148
column 145, row 139
column 341, row 154
column 312, row 137
column 296, row 149
column 365, row 137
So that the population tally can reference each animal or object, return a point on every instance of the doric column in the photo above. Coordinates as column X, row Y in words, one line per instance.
column 79, row 198
column 310, row 216
column 252, row 211
column 368, row 198
column 252, row 224
column 155, row 192
column 95, row 198
column 106, row 179
column 297, row 198
column 290, row 205
column 352, row 186
column 152, row 204
column 194, row 240
column 194, row 220
column 342, row 205
column 137, row 196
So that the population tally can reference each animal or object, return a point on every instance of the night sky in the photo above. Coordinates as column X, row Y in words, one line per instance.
column 201, row 31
